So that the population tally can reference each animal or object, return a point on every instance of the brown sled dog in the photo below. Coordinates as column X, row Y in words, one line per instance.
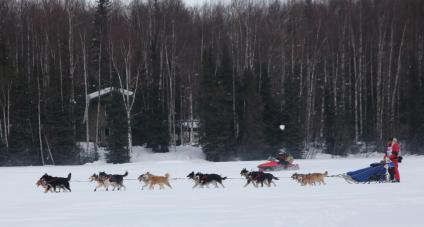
column 152, row 180
column 311, row 178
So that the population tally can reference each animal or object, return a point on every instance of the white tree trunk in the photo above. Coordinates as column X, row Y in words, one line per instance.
column 129, row 132
column 87, row 100
column 39, row 122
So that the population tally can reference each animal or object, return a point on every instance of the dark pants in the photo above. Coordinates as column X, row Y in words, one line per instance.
column 392, row 173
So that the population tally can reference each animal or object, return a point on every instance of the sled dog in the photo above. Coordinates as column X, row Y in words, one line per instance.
column 116, row 180
column 50, row 183
column 206, row 179
column 258, row 178
column 101, row 181
column 152, row 180
column 310, row 179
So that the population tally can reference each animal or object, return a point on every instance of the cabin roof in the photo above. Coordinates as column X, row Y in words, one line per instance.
column 108, row 90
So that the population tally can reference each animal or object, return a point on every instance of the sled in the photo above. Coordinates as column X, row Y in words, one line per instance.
column 377, row 172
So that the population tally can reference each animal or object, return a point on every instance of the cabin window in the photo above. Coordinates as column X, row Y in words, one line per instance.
column 107, row 131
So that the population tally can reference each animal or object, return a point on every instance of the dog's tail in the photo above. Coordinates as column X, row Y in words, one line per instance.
column 275, row 178
column 69, row 177
column 167, row 175
column 125, row 174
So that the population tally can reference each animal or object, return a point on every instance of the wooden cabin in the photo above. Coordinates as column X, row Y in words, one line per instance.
column 99, row 99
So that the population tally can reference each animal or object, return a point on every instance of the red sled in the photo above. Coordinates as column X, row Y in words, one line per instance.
column 276, row 166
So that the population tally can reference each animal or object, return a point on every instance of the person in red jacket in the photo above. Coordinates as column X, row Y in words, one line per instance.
column 394, row 157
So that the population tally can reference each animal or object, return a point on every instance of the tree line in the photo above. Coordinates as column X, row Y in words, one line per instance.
column 340, row 75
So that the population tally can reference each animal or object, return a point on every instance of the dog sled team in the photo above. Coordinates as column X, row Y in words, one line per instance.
column 385, row 171
column 200, row 180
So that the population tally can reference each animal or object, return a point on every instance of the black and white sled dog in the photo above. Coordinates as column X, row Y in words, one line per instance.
column 258, row 178
column 116, row 180
column 201, row 179
column 50, row 183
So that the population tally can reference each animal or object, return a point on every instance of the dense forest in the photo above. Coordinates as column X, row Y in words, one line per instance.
column 339, row 74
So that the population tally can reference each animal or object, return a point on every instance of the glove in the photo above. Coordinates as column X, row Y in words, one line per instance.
column 400, row 159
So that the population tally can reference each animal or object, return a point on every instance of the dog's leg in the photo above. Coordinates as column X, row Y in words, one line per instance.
column 216, row 184
column 268, row 183
column 168, row 184
column 196, row 183
column 98, row 186
column 246, row 184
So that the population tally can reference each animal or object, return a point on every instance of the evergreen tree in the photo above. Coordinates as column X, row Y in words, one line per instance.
column 58, row 135
column 272, row 118
column 23, row 148
column 330, row 124
column 153, row 122
column 217, row 130
column 416, row 114
column 252, row 143
column 419, row 135
column 117, row 141
column 293, row 136
column 99, row 45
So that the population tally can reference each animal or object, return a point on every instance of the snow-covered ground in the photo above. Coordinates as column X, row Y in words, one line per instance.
column 289, row 204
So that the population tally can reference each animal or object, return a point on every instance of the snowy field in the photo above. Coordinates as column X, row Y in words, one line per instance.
column 289, row 204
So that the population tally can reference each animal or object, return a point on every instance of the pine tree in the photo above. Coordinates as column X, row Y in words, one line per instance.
column 59, row 137
column 330, row 124
column 416, row 115
column 217, row 130
column 272, row 118
column 99, row 44
column 23, row 148
column 252, row 143
column 117, row 143
column 293, row 136
column 153, row 122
